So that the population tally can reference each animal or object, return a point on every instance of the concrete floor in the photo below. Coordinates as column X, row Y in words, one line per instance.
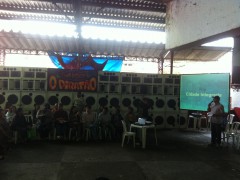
column 180, row 155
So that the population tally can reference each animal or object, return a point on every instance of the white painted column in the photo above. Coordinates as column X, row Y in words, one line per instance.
column 189, row 21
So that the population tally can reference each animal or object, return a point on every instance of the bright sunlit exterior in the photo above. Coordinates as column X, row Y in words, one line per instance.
column 40, row 28
column 93, row 32
column 121, row 34
column 225, row 42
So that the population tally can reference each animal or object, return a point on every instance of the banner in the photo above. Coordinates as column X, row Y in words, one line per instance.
column 72, row 80
column 86, row 62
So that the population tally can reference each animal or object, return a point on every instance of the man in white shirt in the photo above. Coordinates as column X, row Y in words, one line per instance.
column 217, row 112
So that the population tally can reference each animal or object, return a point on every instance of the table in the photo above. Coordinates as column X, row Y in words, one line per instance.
column 144, row 131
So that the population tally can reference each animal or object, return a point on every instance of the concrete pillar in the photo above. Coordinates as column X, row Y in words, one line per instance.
column 191, row 21
column 236, row 61
column 2, row 57
column 171, row 62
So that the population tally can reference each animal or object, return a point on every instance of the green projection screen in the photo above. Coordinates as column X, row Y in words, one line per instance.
column 197, row 90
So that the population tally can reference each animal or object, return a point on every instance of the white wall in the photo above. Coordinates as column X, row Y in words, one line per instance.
column 235, row 95
column 192, row 20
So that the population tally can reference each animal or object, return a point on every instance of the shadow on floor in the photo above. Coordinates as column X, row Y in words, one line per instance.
column 180, row 155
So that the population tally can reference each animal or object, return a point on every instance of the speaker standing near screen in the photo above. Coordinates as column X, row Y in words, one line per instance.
column 217, row 113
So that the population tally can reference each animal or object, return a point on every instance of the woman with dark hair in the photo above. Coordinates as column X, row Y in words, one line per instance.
column 20, row 125
column 130, row 117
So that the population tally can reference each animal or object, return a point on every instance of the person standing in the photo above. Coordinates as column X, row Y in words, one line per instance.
column 217, row 113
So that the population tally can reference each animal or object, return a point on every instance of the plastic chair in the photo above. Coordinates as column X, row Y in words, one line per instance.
column 237, row 136
column 235, row 133
column 197, row 121
column 54, row 133
column 28, row 118
column 70, row 133
column 230, row 129
column 127, row 133
column 104, row 132
column 209, row 117
column 87, row 133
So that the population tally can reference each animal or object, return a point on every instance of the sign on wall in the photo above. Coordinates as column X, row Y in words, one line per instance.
column 72, row 80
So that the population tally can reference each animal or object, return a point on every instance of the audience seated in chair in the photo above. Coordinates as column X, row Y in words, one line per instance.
column 74, row 122
column 45, row 123
column 116, row 119
column 60, row 120
column 10, row 114
column 130, row 117
column 105, row 123
column 89, row 123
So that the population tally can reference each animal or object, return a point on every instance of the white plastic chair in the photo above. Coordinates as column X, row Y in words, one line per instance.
column 87, row 133
column 235, row 133
column 197, row 121
column 28, row 118
column 127, row 133
column 70, row 133
column 209, row 117
column 230, row 128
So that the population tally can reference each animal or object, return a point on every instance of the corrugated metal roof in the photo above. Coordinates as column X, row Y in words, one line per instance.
column 119, row 13
column 137, row 14
column 19, row 41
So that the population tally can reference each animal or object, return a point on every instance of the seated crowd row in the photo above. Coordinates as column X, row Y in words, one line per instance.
column 56, row 122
